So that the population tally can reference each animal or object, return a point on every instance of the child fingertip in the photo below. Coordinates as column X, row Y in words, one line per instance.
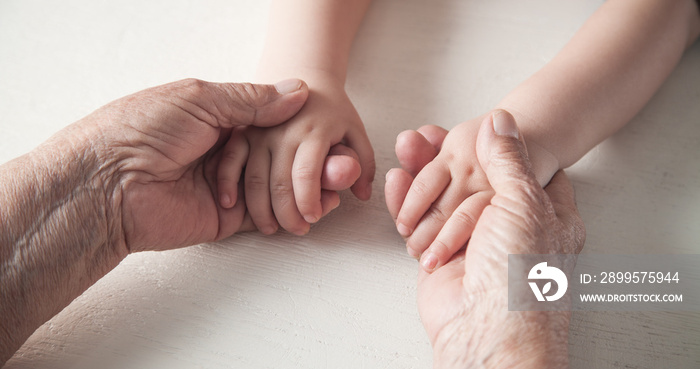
column 225, row 200
column 429, row 262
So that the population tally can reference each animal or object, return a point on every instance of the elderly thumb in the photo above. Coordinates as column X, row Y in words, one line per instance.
column 260, row 105
column 503, row 155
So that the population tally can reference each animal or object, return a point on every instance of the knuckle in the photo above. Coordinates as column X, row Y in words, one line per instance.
column 255, row 182
column 533, row 195
column 306, row 173
column 464, row 219
column 248, row 99
column 195, row 86
column 437, row 214
column 282, row 190
column 420, row 188
column 230, row 156
column 251, row 93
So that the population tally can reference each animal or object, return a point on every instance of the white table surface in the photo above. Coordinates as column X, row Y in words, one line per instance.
column 343, row 296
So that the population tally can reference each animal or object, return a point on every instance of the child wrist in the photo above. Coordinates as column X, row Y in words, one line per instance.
column 544, row 163
column 312, row 75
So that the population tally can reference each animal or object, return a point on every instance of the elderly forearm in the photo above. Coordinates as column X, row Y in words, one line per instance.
column 602, row 77
column 57, row 235
column 306, row 38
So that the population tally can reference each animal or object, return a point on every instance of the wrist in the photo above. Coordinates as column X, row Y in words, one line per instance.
column 487, row 335
column 538, row 138
column 311, row 74
column 75, row 170
column 544, row 163
column 58, row 222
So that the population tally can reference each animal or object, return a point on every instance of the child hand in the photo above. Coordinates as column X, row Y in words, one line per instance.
column 340, row 171
column 284, row 168
column 446, row 197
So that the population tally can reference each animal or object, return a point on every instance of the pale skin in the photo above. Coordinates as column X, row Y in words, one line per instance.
column 138, row 174
column 463, row 305
column 597, row 83
column 283, row 171
column 141, row 173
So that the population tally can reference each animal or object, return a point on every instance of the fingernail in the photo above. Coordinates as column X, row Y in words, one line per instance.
column 403, row 230
column 225, row 200
column 504, row 125
column 288, row 86
column 310, row 218
column 429, row 261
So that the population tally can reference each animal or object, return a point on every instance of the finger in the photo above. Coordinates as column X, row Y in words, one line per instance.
column 456, row 232
column 425, row 189
column 234, row 156
column 342, row 150
column 282, row 192
column 306, row 179
column 414, row 151
column 398, row 182
column 329, row 200
column 503, row 157
column 257, row 190
column 434, row 134
column 236, row 104
column 359, row 142
column 232, row 219
column 341, row 168
column 435, row 218
column 561, row 194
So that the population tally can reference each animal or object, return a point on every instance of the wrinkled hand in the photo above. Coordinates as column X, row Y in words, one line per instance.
column 160, row 150
column 284, row 169
column 463, row 305
column 446, row 197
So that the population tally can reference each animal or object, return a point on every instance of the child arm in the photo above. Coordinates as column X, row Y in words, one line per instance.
column 596, row 84
column 603, row 77
column 311, row 40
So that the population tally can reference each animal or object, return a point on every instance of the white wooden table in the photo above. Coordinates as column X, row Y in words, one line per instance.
column 343, row 296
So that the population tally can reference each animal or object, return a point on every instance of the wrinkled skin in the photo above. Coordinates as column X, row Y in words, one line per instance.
column 463, row 304
column 163, row 147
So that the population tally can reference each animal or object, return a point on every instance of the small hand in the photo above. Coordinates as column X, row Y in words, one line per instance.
column 284, row 170
column 447, row 195
column 341, row 170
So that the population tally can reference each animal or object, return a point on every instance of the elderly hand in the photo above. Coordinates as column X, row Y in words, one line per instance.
column 464, row 304
column 163, row 147
column 141, row 173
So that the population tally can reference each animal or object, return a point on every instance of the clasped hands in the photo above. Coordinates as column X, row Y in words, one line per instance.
column 171, row 158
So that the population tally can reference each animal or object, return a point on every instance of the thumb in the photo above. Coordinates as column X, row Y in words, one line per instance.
column 259, row 105
column 503, row 155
